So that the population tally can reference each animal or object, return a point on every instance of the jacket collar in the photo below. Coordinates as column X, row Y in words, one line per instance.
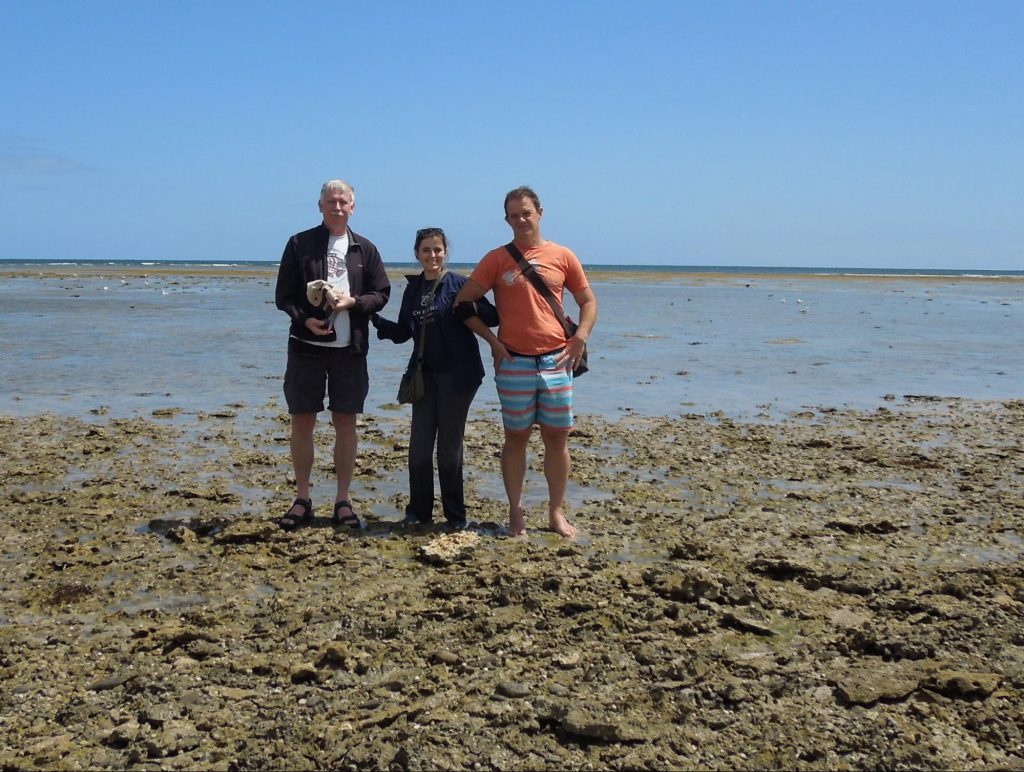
column 324, row 235
column 414, row 276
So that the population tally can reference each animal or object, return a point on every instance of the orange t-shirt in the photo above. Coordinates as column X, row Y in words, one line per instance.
column 527, row 325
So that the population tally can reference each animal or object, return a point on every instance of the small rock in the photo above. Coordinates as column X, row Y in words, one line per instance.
column 448, row 548
column 781, row 569
column 157, row 715
column 123, row 734
column 568, row 659
column 333, row 654
column 735, row 691
column 443, row 657
column 202, row 649
column 177, row 737
column 110, row 682
column 182, row 535
column 234, row 695
column 963, row 685
column 844, row 617
column 822, row 694
column 601, row 727
column 688, row 586
column 513, row 689
column 247, row 531
column 304, row 672
column 866, row 687
column 48, row 749
column 746, row 623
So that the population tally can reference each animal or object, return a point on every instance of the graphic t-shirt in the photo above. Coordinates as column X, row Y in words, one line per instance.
column 425, row 311
column 337, row 277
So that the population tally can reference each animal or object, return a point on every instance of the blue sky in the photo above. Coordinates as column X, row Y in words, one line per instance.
column 860, row 134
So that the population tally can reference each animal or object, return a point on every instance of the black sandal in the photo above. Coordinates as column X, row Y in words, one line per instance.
column 289, row 521
column 351, row 519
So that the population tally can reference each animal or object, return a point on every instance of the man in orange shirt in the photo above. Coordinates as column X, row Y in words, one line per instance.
column 533, row 358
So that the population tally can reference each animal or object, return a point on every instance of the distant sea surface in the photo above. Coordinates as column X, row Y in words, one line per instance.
column 127, row 338
column 725, row 270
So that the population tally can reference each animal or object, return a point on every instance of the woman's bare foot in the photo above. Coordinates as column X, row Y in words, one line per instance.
column 517, row 522
column 558, row 523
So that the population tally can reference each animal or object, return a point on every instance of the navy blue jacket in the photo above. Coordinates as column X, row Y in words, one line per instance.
column 305, row 259
column 459, row 340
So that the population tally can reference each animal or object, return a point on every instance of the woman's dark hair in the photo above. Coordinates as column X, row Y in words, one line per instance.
column 426, row 233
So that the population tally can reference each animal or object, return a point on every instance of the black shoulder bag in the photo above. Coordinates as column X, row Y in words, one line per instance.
column 542, row 287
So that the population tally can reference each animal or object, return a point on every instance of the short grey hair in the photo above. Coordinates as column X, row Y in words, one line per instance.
column 337, row 186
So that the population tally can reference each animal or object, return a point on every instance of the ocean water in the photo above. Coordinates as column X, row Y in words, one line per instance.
column 751, row 344
column 407, row 267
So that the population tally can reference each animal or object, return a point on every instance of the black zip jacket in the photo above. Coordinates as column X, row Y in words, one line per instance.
column 461, row 343
column 305, row 260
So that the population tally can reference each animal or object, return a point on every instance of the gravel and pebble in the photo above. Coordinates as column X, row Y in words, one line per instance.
column 836, row 590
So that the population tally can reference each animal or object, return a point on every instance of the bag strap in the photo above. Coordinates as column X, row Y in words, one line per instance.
column 423, row 325
column 539, row 284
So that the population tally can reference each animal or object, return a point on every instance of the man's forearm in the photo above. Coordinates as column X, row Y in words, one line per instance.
column 588, row 317
column 476, row 324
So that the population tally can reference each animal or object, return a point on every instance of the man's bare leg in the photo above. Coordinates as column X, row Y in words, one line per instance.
column 301, row 443
column 303, row 425
column 513, row 474
column 345, row 443
column 556, row 471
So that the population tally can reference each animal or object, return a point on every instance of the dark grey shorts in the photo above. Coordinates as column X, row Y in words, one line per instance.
column 338, row 373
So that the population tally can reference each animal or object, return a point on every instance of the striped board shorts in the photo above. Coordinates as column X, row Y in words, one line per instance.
column 533, row 390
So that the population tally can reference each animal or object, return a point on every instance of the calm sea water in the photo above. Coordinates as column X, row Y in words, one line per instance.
column 746, row 342
column 653, row 270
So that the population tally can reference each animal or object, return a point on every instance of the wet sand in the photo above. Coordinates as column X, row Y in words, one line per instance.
column 834, row 590
column 594, row 273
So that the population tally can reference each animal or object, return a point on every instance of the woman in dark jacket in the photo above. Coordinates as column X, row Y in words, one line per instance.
column 452, row 373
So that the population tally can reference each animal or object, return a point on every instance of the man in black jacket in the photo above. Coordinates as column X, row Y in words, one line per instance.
column 327, row 346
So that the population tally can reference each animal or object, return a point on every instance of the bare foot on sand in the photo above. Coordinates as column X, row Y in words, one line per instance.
column 517, row 522
column 560, row 525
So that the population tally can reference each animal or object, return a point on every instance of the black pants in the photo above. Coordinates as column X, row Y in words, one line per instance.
column 440, row 415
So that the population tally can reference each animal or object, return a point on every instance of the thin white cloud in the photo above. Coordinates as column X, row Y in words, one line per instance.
column 39, row 163
column 25, row 156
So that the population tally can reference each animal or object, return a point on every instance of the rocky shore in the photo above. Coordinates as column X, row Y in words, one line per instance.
column 838, row 590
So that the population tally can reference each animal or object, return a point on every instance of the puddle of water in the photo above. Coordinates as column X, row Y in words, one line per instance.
column 259, row 591
column 535, row 490
column 889, row 485
column 843, row 558
column 791, row 485
column 152, row 601
column 14, row 558
column 973, row 554
column 634, row 552
column 1014, row 539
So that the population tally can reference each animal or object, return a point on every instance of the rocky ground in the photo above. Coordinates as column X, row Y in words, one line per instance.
column 835, row 591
